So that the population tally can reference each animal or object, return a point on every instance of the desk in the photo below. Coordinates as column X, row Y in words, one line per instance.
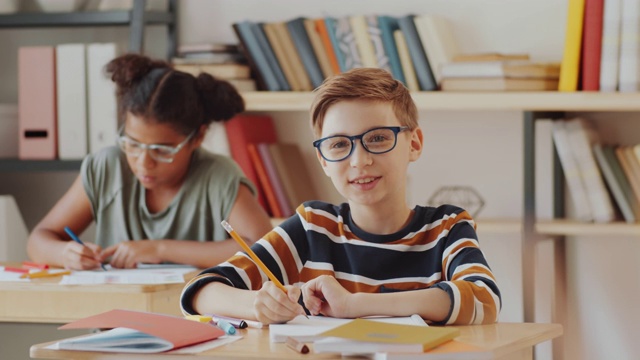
column 510, row 341
column 45, row 301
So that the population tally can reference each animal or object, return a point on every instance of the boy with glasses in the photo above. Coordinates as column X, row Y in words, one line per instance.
column 157, row 187
column 372, row 255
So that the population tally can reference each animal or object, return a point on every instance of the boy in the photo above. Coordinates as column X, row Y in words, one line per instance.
column 372, row 255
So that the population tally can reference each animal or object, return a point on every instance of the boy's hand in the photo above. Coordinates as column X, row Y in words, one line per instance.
column 272, row 305
column 80, row 257
column 128, row 254
column 324, row 295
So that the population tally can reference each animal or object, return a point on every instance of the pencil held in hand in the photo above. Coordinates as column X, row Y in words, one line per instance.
column 75, row 238
column 253, row 255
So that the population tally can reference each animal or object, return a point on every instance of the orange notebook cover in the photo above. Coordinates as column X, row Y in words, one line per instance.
column 178, row 331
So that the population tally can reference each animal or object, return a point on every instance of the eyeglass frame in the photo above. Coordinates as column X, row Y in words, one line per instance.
column 173, row 150
column 396, row 130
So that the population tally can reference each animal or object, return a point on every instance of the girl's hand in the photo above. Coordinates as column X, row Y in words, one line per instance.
column 80, row 257
column 272, row 305
column 324, row 295
column 128, row 254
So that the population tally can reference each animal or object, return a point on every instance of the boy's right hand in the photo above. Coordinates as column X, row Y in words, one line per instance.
column 80, row 257
column 272, row 305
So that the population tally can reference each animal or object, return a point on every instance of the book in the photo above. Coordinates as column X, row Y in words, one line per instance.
column 292, row 171
column 347, row 44
column 331, row 26
column 138, row 332
column 581, row 138
column 264, row 181
column 267, row 51
column 71, row 79
column 592, row 45
column 318, row 48
column 617, row 181
column 368, row 336
column 103, row 107
column 610, row 52
column 274, row 179
column 476, row 57
column 629, row 71
column 243, row 129
column 411, row 80
column 573, row 177
column 509, row 69
column 422, row 65
column 221, row 71
column 321, row 26
column 302, row 44
column 257, row 59
column 375, row 34
column 572, row 44
column 388, row 25
column 437, row 40
column 363, row 40
column 498, row 84
column 184, row 49
column 295, row 60
column 281, row 55
column 625, row 164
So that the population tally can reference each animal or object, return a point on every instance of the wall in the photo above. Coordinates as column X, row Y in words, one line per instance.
column 486, row 153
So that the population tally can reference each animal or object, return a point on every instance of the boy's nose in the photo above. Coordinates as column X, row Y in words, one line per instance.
column 360, row 156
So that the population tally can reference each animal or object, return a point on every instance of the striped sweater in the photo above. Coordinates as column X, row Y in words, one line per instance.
column 438, row 248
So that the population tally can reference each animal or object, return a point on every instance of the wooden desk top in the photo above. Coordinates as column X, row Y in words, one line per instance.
column 496, row 341
column 44, row 300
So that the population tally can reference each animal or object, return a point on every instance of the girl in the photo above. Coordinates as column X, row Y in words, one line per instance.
column 157, row 188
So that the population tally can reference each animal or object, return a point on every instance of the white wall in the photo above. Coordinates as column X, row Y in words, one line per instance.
column 483, row 149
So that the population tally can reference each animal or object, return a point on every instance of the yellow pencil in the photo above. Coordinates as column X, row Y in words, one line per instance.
column 253, row 255
column 45, row 273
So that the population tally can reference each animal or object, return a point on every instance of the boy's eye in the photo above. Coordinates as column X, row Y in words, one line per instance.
column 376, row 137
column 339, row 143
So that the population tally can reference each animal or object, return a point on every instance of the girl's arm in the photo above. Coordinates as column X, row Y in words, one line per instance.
column 48, row 243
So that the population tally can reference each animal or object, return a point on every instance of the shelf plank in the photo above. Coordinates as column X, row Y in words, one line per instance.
column 469, row 101
column 17, row 165
column 575, row 228
column 76, row 19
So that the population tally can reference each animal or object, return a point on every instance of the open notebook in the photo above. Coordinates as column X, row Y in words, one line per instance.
column 308, row 329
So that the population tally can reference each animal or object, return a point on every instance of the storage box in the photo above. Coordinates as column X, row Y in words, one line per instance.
column 9, row 132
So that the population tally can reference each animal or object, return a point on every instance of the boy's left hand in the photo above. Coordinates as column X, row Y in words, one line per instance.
column 324, row 295
column 128, row 254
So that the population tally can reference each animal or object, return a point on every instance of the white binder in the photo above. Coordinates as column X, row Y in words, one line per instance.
column 103, row 117
column 13, row 231
column 72, row 101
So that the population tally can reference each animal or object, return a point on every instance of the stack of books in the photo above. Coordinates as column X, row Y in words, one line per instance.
column 498, row 72
column 222, row 61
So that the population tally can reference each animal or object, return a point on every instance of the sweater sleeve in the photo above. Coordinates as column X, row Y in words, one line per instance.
column 276, row 250
column 475, row 297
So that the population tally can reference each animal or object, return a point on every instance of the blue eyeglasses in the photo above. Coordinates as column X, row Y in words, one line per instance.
column 376, row 141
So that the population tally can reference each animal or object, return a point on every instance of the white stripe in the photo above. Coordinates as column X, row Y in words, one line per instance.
column 496, row 300
column 456, row 303
column 447, row 251
column 274, row 254
column 374, row 282
column 319, row 265
column 464, row 267
column 292, row 248
column 242, row 273
column 478, row 311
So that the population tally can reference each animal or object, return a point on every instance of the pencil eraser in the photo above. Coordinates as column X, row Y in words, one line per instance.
column 198, row 318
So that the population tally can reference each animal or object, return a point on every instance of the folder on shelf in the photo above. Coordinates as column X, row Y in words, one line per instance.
column 37, row 103
column 72, row 101
column 103, row 111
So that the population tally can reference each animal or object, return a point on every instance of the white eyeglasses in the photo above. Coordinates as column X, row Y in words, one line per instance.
column 162, row 153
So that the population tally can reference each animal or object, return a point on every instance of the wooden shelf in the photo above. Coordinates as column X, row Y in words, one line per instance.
column 17, row 165
column 469, row 101
column 561, row 227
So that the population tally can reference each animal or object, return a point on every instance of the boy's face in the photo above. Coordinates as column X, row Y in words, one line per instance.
column 365, row 178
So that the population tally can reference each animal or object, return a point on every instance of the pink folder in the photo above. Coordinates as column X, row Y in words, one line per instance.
column 37, row 103
column 178, row 331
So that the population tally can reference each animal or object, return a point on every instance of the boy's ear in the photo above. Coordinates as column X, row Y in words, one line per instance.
column 416, row 144
column 322, row 162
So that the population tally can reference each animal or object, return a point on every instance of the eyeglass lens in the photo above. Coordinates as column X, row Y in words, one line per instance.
column 376, row 141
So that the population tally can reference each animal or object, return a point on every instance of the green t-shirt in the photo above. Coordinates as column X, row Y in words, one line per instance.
column 120, row 211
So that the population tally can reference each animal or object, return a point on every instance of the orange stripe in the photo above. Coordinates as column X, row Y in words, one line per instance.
column 321, row 27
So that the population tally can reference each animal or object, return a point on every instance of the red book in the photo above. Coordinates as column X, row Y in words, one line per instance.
column 265, row 181
column 247, row 129
column 592, row 45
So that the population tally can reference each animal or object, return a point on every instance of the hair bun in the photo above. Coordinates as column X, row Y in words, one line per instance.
column 221, row 100
column 128, row 69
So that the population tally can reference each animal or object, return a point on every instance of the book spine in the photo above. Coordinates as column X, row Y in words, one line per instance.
column 609, row 63
column 613, row 184
column 629, row 75
column 421, row 64
column 103, row 109
column 387, row 26
column 305, row 50
column 347, row 44
column 572, row 43
column 592, row 45
column 272, row 61
column 256, row 57
column 72, row 101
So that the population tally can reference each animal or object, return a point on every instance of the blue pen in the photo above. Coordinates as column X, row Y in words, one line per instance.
column 226, row 327
column 75, row 238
